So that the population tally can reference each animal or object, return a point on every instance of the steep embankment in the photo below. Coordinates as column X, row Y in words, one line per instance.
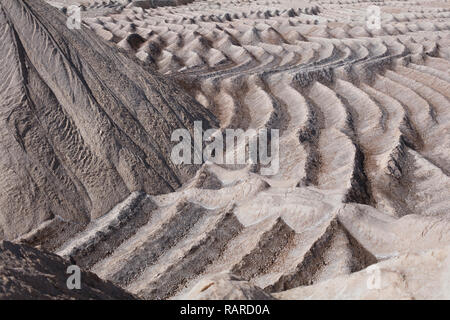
column 82, row 125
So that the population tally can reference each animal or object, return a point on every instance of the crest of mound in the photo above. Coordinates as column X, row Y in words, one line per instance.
column 24, row 274
column 82, row 124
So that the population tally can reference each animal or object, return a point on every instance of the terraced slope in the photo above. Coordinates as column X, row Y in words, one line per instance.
column 364, row 152
column 83, row 126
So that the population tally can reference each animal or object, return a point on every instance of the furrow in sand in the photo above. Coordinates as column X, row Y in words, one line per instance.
column 316, row 255
column 432, row 81
column 250, row 252
column 423, row 121
column 165, row 228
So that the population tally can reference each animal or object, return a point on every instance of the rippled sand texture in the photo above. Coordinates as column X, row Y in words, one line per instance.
column 364, row 157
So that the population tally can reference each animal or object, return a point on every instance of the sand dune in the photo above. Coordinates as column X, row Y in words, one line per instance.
column 364, row 152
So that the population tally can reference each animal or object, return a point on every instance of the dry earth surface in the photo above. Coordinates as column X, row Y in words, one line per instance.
column 28, row 273
column 364, row 117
